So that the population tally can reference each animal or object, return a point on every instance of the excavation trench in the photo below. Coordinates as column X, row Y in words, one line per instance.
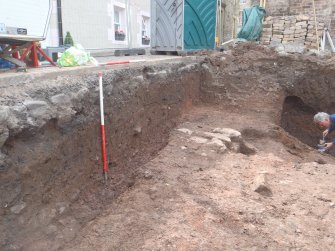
column 51, row 171
column 55, row 170
column 310, row 93
column 297, row 119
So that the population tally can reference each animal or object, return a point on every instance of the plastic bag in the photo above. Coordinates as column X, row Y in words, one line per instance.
column 75, row 56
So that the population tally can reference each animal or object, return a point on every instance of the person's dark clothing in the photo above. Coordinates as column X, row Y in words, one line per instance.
column 332, row 125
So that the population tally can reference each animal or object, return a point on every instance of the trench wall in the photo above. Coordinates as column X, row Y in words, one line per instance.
column 51, row 162
column 296, row 87
column 50, row 168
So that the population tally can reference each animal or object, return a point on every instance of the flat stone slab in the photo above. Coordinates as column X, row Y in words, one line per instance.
column 216, row 142
column 18, row 208
column 185, row 130
column 34, row 104
column 231, row 133
column 199, row 140
column 220, row 136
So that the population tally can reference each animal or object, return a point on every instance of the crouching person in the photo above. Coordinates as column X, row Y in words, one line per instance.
column 325, row 122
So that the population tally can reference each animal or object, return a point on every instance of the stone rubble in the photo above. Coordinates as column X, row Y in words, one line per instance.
column 261, row 185
column 18, row 208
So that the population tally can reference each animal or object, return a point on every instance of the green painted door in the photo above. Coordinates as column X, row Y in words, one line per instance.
column 199, row 24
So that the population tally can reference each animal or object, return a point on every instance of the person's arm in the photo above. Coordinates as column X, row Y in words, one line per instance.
column 330, row 144
column 325, row 133
column 330, row 129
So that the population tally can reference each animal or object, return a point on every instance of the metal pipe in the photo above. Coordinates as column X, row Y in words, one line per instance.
column 129, row 37
column 60, row 23
column 46, row 28
column 323, row 40
column 224, row 21
column 220, row 23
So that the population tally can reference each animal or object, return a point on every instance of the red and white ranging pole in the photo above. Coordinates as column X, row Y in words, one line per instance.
column 103, row 135
column 123, row 62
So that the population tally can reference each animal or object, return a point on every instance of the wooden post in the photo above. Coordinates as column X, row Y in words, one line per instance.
column 316, row 27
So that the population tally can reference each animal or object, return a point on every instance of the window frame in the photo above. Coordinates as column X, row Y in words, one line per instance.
column 145, row 29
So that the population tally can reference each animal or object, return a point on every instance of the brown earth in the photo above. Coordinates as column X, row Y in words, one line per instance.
column 170, row 189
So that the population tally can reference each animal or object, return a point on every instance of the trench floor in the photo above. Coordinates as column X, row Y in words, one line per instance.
column 198, row 196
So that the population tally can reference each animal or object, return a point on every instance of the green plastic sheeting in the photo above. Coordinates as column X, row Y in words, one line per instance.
column 252, row 23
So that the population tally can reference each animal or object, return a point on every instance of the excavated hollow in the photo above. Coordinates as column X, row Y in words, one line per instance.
column 50, row 169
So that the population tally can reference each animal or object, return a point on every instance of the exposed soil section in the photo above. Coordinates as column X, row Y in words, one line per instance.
column 189, row 144
column 296, row 119
column 53, row 171
column 193, row 196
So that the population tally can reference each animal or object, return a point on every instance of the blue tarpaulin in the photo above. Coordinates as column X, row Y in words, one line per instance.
column 6, row 64
column 252, row 23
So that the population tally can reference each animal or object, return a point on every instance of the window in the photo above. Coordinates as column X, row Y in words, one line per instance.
column 119, row 23
column 144, row 26
column 145, row 32
column 243, row 1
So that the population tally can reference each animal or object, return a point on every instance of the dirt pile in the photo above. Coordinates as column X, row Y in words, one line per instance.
column 184, row 189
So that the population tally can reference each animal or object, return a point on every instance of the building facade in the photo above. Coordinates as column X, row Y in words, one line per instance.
column 99, row 25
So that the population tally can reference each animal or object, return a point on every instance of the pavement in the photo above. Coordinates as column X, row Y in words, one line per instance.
column 11, row 77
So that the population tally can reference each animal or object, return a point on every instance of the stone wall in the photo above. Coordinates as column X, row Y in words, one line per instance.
column 230, row 18
column 278, row 7
column 325, row 10
column 288, row 9
column 295, row 29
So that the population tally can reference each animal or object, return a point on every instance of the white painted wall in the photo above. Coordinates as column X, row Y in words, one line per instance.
column 91, row 23
column 52, row 30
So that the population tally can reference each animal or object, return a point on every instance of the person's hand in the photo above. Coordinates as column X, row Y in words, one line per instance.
column 329, row 145
column 325, row 133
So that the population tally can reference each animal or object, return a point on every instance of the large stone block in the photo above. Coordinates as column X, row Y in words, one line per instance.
column 278, row 36
column 288, row 32
column 268, row 26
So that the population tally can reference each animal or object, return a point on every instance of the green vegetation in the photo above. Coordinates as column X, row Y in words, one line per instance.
column 68, row 39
